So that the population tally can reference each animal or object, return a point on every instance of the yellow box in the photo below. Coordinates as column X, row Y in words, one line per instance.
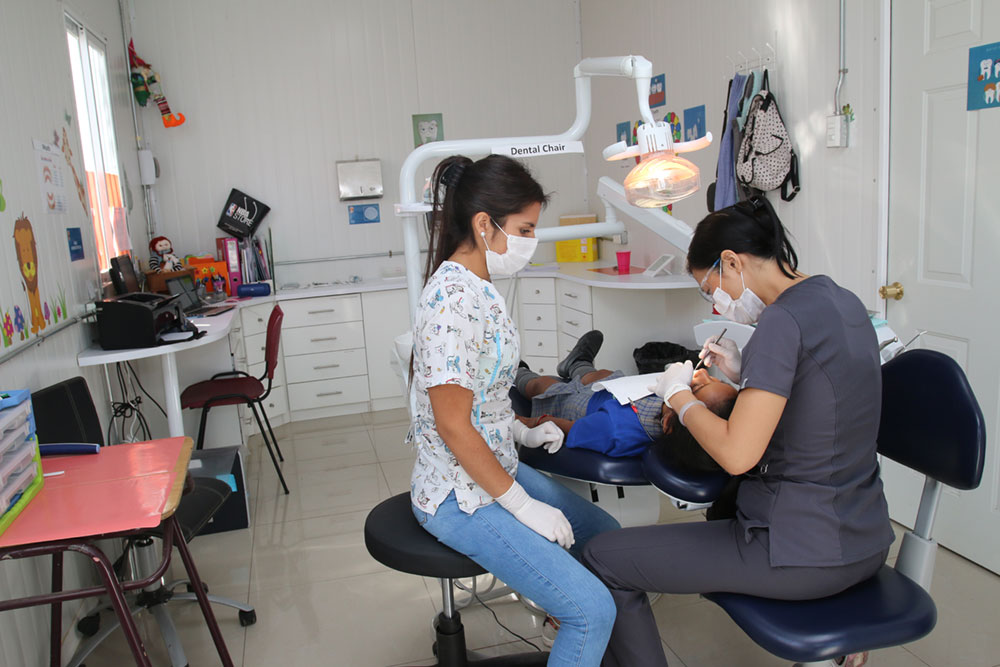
column 577, row 250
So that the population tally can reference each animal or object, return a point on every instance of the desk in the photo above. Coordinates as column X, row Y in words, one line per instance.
column 216, row 328
column 124, row 490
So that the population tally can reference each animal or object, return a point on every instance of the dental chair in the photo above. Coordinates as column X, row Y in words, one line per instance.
column 894, row 607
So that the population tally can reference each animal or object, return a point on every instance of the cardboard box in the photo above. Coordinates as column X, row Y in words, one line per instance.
column 577, row 250
column 157, row 281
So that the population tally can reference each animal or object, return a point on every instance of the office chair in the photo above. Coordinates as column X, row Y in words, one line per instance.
column 395, row 539
column 236, row 387
column 948, row 445
column 65, row 412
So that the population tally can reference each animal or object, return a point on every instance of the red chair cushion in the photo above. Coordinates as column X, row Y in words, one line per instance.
column 239, row 389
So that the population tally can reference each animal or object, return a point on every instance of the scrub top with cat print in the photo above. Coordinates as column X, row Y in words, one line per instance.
column 462, row 336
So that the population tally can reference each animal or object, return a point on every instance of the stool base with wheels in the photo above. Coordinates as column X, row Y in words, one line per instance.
column 395, row 539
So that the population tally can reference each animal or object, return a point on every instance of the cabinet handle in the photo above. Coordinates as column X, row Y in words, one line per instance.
column 329, row 393
column 317, row 340
column 540, row 344
column 260, row 319
column 572, row 323
column 317, row 312
column 319, row 368
column 538, row 291
column 538, row 318
column 572, row 296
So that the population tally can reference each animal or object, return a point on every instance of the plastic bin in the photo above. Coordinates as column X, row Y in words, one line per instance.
column 14, row 437
column 16, row 460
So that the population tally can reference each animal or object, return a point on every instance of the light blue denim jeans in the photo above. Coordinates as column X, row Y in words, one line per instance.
column 541, row 570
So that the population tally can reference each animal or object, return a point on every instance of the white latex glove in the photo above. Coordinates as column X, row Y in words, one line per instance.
column 724, row 355
column 544, row 519
column 676, row 378
column 546, row 435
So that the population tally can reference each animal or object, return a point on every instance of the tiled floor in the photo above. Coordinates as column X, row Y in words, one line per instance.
column 322, row 600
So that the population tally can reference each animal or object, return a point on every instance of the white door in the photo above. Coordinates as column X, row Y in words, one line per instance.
column 944, row 238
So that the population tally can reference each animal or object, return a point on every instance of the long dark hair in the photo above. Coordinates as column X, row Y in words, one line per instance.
column 749, row 226
column 497, row 185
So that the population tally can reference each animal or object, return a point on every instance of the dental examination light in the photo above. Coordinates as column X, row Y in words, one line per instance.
column 667, row 177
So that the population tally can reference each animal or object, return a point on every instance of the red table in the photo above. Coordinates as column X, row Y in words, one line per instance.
column 124, row 490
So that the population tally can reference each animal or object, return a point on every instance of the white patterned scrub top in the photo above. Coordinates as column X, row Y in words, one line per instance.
column 462, row 336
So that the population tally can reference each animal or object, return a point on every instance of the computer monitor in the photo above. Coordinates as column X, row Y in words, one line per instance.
column 122, row 275
column 184, row 286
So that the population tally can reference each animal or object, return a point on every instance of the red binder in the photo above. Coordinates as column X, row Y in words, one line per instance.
column 228, row 249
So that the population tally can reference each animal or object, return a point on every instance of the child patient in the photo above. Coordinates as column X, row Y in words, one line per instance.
column 595, row 420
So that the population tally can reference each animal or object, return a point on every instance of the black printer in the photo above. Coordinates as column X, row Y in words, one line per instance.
column 137, row 320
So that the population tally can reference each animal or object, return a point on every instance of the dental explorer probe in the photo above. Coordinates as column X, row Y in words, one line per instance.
column 702, row 360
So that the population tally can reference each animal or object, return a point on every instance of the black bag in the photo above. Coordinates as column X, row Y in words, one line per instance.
column 242, row 214
column 654, row 356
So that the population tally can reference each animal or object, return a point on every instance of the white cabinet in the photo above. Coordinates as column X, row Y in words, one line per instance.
column 248, row 340
column 537, row 324
column 386, row 315
column 574, row 316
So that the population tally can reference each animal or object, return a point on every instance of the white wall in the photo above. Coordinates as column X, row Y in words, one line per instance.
column 834, row 218
column 37, row 94
column 276, row 93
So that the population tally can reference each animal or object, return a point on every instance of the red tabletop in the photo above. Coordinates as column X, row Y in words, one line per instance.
column 125, row 487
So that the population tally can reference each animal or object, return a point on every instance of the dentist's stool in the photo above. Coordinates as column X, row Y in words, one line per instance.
column 395, row 539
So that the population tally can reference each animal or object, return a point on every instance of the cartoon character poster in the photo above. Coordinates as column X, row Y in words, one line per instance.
column 51, row 180
column 984, row 77
column 27, row 264
column 427, row 127
column 657, row 91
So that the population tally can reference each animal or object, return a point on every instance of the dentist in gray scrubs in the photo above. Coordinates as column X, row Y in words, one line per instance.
column 811, row 518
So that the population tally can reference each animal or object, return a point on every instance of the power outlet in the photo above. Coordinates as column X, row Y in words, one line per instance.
column 836, row 131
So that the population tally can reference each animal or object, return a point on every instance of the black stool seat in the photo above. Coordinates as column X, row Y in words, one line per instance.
column 395, row 539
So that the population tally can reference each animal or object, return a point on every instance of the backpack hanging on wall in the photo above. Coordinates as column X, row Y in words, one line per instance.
column 766, row 159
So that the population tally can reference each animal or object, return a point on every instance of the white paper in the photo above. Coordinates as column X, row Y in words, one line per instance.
column 630, row 388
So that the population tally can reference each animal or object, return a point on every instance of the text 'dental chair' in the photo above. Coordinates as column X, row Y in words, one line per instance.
column 948, row 445
column 237, row 387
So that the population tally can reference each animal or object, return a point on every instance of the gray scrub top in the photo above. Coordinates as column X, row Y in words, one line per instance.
column 817, row 489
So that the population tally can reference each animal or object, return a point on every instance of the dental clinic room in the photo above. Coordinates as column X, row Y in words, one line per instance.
column 383, row 333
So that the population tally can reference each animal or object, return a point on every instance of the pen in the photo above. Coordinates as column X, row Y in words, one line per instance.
column 54, row 474
column 702, row 360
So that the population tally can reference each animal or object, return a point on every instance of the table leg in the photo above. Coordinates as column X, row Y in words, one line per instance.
column 55, row 630
column 172, row 395
column 117, row 601
column 195, row 580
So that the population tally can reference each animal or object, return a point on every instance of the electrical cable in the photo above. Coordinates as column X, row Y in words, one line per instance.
column 497, row 619
column 136, row 376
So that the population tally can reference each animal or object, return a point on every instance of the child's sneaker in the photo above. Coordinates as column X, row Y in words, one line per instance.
column 550, row 628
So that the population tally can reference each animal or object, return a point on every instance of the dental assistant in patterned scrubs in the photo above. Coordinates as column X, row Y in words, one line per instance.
column 468, row 488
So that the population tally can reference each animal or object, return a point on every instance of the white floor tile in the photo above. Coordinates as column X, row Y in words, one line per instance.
column 397, row 474
column 318, row 489
column 390, row 442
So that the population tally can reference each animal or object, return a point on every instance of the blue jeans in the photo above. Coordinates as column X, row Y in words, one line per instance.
column 541, row 570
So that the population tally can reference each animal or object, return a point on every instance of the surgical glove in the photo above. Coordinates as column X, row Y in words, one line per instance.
column 724, row 355
column 544, row 519
column 546, row 435
column 676, row 378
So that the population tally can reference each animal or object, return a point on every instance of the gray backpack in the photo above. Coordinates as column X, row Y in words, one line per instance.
column 766, row 159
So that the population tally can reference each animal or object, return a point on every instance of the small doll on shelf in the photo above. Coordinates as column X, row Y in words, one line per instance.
column 161, row 256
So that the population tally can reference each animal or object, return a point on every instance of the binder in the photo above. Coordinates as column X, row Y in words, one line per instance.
column 228, row 249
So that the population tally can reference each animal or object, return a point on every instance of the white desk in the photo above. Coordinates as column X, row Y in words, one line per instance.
column 217, row 327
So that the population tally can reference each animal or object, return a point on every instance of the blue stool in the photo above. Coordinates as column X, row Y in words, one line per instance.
column 948, row 445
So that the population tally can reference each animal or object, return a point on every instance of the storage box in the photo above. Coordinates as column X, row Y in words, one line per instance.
column 20, row 464
column 205, row 269
column 225, row 463
column 577, row 250
column 157, row 282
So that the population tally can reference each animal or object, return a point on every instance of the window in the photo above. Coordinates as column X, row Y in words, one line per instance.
column 89, row 63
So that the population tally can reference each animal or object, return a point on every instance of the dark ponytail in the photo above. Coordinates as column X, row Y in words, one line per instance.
column 496, row 185
column 750, row 227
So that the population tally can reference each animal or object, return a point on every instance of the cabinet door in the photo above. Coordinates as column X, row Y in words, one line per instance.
column 574, row 295
column 537, row 290
column 321, row 310
column 386, row 316
column 574, row 322
column 539, row 317
column 323, row 338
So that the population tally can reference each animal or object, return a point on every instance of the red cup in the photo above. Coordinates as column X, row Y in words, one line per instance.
column 624, row 261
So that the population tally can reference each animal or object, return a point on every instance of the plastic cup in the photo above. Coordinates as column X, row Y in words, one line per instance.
column 624, row 261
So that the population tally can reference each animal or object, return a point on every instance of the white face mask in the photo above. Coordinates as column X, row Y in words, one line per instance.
column 519, row 252
column 744, row 310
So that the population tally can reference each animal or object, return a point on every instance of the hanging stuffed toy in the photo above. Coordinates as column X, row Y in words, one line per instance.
column 161, row 256
column 146, row 84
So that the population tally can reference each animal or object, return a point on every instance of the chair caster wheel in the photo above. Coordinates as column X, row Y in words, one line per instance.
column 190, row 588
column 89, row 625
column 248, row 617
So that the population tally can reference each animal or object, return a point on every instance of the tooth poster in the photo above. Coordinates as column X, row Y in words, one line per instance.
column 984, row 77
column 51, row 179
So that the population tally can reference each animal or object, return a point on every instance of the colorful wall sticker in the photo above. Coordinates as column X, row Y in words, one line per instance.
column 27, row 263
column 75, row 239
column 694, row 123
column 68, row 153
column 657, row 91
column 3, row 202
column 984, row 77
column 360, row 214
column 675, row 125
column 427, row 127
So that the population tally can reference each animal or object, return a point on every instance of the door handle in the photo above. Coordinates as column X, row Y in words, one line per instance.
column 893, row 291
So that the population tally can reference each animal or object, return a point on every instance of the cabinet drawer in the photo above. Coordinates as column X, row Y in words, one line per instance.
column 538, row 290
column 566, row 343
column 321, row 310
column 539, row 343
column 276, row 403
column 255, row 318
column 325, row 365
column 538, row 316
column 574, row 322
column 323, row 393
column 254, row 348
column 541, row 365
column 574, row 295
column 307, row 340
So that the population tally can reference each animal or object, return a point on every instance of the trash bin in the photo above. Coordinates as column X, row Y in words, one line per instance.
column 225, row 463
